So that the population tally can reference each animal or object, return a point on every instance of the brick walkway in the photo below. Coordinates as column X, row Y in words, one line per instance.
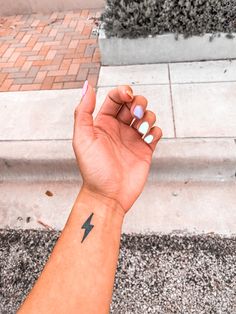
column 49, row 51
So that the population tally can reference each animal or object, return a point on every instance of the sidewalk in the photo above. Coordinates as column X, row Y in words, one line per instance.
column 191, row 186
column 57, row 51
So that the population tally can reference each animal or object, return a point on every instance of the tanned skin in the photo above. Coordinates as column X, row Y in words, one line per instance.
column 114, row 161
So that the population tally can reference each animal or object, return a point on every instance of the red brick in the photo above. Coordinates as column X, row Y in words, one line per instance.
column 73, row 85
column 17, row 74
column 94, row 70
column 19, row 36
column 6, row 85
column 4, row 65
column 8, row 52
column 27, row 65
column 73, row 23
column 32, row 71
column 81, row 60
column 49, row 67
column 57, row 73
column 92, row 78
column 35, row 58
column 14, row 88
column 53, row 33
column 87, row 31
column 29, row 87
column 47, row 83
column 66, row 78
column 89, row 41
column 82, row 75
column 58, row 59
column 57, row 85
column 37, row 46
column 24, row 80
column 40, row 76
column 44, row 51
column 80, row 26
column 74, row 44
column 26, row 38
column 96, row 58
column 35, row 23
column 65, row 64
column 50, row 55
column 3, row 76
column 42, row 62
column 84, row 13
column 74, row 68
column 3, row 48
column 10, row 70
column 81, row 47
column 20, row 61
column 31, row 43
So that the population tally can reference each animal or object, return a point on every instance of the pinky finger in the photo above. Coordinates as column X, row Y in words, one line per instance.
column 153, row 136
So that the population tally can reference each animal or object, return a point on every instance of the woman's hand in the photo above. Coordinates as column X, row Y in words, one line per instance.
column 113, row 157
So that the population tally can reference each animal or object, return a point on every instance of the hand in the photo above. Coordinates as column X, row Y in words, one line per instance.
column 113, row 158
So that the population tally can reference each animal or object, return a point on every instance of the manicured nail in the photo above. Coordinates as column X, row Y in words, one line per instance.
column 138, row 112
column 148, row 139
column 85, row 88
column 144, row 127
column 128, row 92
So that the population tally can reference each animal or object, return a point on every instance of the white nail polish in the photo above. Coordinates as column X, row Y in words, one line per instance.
column 148, row 139
column 144, row 127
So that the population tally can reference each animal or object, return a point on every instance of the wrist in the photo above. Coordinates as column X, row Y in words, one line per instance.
column 106, row 209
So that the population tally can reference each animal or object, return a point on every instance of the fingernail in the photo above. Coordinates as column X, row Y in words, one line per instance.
column 128, row 92
column 138, row 112
column 148, row 139
column 85, row 88
column 144, row 127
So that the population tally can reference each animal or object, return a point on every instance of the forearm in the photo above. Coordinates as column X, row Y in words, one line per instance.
column 79, row 276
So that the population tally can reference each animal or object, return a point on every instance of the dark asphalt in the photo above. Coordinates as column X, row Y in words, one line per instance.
column 156, row 274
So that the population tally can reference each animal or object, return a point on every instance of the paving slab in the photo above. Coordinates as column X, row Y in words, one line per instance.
column 159, row 100
column 205, row 110
column 38, row 115
column 133, row 74
column 44, row 115
column 207, row 71
column 156, row 274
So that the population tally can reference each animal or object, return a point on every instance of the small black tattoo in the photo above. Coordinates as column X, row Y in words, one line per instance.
column 87, row 226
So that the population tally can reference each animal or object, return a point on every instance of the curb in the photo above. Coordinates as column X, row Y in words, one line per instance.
column 174, row 160
column 164, row 48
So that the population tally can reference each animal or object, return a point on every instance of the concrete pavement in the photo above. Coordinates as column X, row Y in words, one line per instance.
column 193, row 169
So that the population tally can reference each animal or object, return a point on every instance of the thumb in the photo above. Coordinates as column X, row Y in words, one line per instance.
column 83, row 113
column 86, row 106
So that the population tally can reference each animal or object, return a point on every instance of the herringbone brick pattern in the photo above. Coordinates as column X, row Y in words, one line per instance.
column 49, row 51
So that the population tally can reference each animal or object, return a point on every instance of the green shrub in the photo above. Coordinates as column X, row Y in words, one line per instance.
column 140, row 18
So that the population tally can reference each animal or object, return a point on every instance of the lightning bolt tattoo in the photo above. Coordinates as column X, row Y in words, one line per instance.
column 87, row 226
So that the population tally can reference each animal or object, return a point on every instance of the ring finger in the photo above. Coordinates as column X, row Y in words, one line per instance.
column 145, row 124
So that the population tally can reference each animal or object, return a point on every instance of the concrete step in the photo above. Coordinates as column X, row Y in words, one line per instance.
column 156, row 274
column 164, row 207
column 195, row 159
column 191, row 186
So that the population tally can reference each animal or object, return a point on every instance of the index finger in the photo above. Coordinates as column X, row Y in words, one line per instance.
column 115, row 99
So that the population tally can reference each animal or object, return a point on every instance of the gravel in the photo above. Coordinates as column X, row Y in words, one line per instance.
column 156, row 273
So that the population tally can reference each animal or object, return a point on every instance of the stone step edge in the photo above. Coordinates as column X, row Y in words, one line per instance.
column 174, row 159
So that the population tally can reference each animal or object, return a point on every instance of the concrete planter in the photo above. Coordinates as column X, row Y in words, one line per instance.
column 12, row 7
column 164, row 48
